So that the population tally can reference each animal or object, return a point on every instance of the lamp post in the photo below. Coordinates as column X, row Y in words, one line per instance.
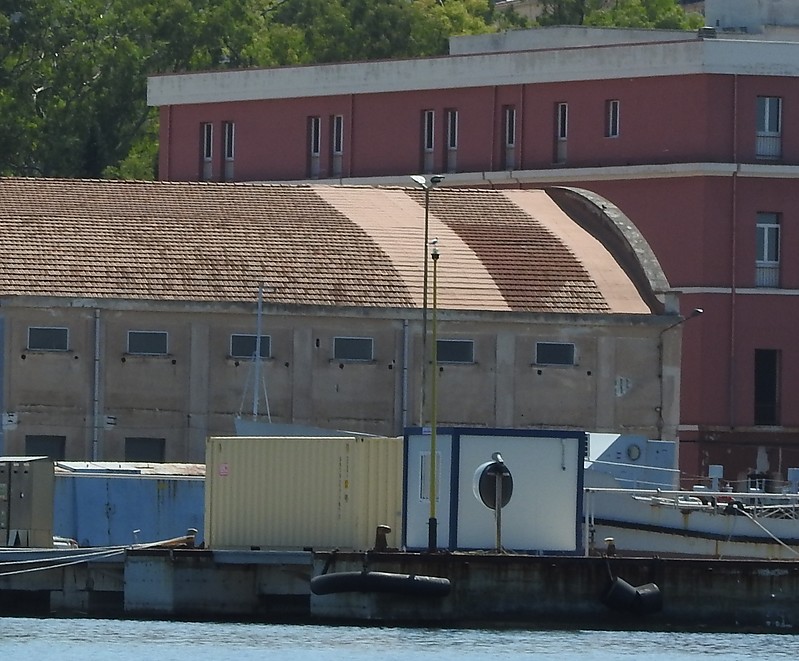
column 427, row 185
column 694, row 313
column 432, row 530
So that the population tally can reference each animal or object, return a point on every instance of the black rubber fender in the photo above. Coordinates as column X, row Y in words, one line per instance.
column 377, row 581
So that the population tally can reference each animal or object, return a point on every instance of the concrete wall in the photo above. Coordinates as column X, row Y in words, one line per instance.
column 197, row 389
column 753, row 15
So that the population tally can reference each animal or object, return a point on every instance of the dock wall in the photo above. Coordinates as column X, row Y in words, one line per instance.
column 486, row 589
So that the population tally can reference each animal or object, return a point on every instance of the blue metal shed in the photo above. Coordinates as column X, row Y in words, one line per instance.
column 116, row 504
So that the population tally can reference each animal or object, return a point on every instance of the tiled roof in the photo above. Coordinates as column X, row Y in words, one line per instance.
column 312, row 245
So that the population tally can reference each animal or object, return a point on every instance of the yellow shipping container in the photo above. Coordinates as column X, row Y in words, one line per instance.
column 299, row 492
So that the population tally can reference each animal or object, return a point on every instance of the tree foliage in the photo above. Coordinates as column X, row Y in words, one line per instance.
column 663, row 14
column 73, row 73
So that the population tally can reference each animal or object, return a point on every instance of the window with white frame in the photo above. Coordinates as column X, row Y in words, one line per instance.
column 230, row 154
column 509, row 131
column 612, row 121
column 561, row 131
column 337, row 133
column 207, row 136
column 353, row 348
column 428, row 129
column 452, row 140
column 554, row 353
column 230, row 131
column 767, row 273
column 769, row 127
column 428, row 139
column 455, row 351
column 147, row 343
column 562, row 121
column 243, row 345
column 314, row 145
column 48, row 338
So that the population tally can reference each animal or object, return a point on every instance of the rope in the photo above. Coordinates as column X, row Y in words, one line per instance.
column 75, row 559
column 768, row 532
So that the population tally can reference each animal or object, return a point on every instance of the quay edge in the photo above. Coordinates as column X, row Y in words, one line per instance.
column 487, row 589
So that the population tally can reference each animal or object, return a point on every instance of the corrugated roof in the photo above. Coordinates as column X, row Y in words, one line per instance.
column 313, row 245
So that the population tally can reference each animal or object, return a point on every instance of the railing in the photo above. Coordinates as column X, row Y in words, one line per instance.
column 768, row 146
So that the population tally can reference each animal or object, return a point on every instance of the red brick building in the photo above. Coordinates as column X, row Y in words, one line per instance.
column 693, row 136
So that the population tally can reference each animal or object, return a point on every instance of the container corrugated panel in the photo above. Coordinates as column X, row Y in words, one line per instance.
column 301, row 492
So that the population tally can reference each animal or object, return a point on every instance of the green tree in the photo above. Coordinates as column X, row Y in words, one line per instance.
column 662, row 14
column 73, row 73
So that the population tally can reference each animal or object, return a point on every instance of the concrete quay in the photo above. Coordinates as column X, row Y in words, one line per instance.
column 486, row 589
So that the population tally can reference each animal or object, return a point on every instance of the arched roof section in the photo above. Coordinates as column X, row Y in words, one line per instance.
column 346, row 246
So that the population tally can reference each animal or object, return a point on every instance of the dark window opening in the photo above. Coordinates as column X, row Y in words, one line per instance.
column 767, row 372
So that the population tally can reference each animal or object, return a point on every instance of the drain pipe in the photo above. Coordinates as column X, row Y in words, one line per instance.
column 404, row 378
column 733, row 251
column 96, row 389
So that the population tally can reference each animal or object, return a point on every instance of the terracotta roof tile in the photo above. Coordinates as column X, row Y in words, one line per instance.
column 313, row 245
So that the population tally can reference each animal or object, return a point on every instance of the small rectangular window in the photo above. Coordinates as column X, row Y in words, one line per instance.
column 768, row 138
column 353, row 348
column 145, row 449
column 338, row 135
column 230, row 135
column 45, row 445
column 207, row 153
column 244, row 346
column 452, row 129
column 767, row 255
column 562, row 121
column 510, row 126
column 612, row 113
column 767, row 386
column 554, row 353
column 314, row 135
column 769, row 115
column 428, row 126
column 455, row 351
column 208, row 141
column 41, row 338
column 147, row 343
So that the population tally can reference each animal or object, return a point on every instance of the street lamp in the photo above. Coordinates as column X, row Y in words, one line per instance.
column 427, row 185
column 432, row 529
column 694, row 313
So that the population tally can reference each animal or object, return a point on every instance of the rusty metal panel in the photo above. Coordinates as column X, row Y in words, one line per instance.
column 300, row 492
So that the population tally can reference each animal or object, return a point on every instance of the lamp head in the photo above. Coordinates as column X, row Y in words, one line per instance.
column 426, row 183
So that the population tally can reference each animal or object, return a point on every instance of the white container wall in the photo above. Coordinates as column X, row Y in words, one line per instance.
column 299, row 492
column 544, row 512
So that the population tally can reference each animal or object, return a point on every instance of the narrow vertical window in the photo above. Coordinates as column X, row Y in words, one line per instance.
column 338, row 134
column 230, row 137
column 452, row 140
column 563, row 121
column 428, row 139
column 769, row 127
column 509, row 131
column 767, row 391
column 314, row 145
column 207, row 136
column 767, row 251
column 337, row 147
column 561, row 131
column 612, row 114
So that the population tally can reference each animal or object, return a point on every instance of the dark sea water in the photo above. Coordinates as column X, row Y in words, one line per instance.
column 24, row 639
